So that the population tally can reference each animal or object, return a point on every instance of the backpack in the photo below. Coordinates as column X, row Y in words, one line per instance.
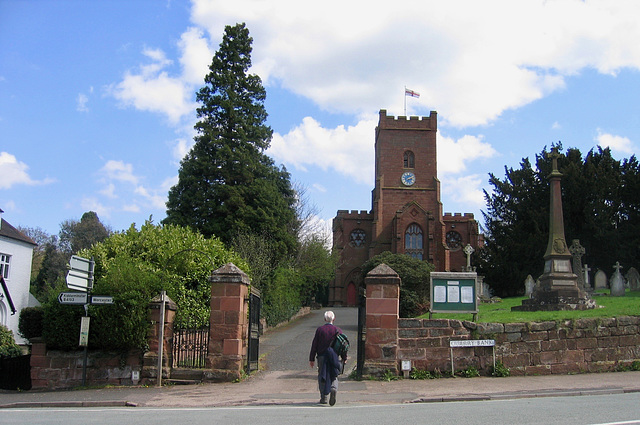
column 340, row 344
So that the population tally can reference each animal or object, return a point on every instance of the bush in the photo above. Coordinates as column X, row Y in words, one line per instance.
column 61, row 323
column 281, row 296
column 30, row 322
column 8, row 346
column 415, row 276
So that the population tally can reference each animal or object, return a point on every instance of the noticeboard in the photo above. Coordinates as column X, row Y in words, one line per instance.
column 454, row 292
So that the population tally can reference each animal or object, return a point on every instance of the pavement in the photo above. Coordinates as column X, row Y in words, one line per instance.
column 299, row 389
column 288, row 380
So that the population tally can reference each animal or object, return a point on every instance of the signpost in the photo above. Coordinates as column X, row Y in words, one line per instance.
column 101, row 299
column 472, row 343
column 73, row 298
column 80, row 275
column 80, row 278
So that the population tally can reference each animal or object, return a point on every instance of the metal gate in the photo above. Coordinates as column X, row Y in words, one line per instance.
column 254, row 330
column 362, row 331
column 190, row 348
column 15, row 373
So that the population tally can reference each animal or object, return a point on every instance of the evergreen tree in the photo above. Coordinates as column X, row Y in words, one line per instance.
column 601, row 208
column 226, row 184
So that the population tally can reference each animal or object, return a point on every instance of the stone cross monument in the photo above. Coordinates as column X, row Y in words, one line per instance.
column 468, row 250
column 577, row 251
column 558, row 288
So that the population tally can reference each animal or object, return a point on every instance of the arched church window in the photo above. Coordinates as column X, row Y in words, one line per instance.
column 357, row 238
column 409, row 160
column 413, row 241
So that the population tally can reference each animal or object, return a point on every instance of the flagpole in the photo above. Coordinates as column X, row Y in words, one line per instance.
column 405, row 101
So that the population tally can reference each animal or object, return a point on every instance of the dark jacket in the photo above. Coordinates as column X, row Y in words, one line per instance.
column 331, row 367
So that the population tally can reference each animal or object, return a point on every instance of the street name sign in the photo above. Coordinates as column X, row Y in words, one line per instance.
column 101, row 299
column 73, row 298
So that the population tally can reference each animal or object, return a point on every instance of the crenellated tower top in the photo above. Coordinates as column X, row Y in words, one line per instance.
column 408, row 123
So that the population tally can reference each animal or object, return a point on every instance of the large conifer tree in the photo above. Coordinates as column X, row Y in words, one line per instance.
column 601, row 208
column 226, row 183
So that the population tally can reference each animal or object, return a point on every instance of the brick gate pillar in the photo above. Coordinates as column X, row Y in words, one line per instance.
column 382, row 309
column 228, row 323
column 150, row 358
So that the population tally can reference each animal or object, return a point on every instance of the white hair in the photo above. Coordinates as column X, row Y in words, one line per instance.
column 329, row 316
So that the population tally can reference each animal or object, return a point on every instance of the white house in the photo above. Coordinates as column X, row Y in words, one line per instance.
column 16, row 252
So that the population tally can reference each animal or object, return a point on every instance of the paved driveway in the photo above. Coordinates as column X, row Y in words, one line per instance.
column 287, row 348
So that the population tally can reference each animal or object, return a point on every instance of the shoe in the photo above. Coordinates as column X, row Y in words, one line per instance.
column 332, row 398
column 323, row 400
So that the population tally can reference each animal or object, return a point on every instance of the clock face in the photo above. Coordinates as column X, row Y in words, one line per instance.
column 408, row 178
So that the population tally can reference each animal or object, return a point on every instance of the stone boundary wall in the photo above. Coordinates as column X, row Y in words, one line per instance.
column 537, row 348
column 53, row 369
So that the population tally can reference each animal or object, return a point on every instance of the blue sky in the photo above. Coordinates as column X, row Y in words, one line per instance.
column 97, row 98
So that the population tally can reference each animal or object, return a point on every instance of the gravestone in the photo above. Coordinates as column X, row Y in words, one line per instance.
column 600, row 279
column 617, row 282
column 529, row 286
column 633, row 278
column 587, row 280
column 577, row 251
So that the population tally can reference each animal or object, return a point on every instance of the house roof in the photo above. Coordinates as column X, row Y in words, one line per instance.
column 8, row 231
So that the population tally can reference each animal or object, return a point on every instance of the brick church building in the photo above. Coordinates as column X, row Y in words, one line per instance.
column 406, row 212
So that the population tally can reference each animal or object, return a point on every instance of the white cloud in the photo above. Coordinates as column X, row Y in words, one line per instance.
column 453, row 155
column 319, row 187
column 92, row 204
column 14, row 172
column 153, row 89
column 470, row 60
column 81, row 102
column 196, row 56
column 616, row 143
column 109, row 191
column 118, row 170
column 347, row 150
column 465, row 190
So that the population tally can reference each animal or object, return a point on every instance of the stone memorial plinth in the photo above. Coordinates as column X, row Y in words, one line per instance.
column 558, row 289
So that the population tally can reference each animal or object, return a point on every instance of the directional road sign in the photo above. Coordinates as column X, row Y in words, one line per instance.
column 77, row 298
column 101, row 299
column 80, row 277
column 79, row 263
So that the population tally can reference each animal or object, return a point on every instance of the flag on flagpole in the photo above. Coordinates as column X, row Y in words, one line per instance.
column 412, row 93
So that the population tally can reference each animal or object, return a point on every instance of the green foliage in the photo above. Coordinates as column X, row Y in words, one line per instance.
column 30, row 322
column 421, row 374
column 133, row 266
column 61, row 323
column 415, row 274
column 316, row 264
column 8, row 346
column 501, row 312
column 79, row 235
column 52, row 269
column 389, row 376
column 470, row 372
column 281, row 298
column 226, row 184
column 123, row 324
column 601, row 206
column 501, row 370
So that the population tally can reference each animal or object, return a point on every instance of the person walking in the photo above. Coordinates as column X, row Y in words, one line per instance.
column 329, row 366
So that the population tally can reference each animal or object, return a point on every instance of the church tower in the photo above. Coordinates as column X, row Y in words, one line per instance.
column 406, row 212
